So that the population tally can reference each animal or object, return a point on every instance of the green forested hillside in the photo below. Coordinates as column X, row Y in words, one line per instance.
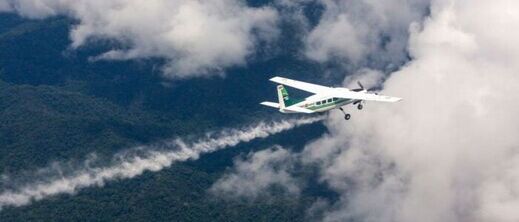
column 39, row 124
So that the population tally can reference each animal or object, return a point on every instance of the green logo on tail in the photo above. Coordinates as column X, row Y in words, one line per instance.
column 283, row 93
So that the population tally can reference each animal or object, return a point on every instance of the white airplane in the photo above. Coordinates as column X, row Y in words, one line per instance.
column 324, row 98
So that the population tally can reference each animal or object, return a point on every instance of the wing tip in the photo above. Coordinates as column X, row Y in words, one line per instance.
column 392, row 99
column 276, row 78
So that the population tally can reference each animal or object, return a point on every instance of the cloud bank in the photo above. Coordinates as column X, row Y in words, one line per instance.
column 197, row 38
column 450, row 150
column 53, row 181
column 363, row 32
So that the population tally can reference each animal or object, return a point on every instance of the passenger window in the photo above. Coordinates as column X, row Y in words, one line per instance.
column 329, row 100
column 335, row 98
column 318, row 103
column 324, row 101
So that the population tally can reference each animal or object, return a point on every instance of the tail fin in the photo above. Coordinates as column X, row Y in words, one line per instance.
column 284, row 99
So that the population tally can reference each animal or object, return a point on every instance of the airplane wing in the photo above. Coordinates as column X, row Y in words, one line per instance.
column 309, row 87
column 366, row 96
column 298, row 109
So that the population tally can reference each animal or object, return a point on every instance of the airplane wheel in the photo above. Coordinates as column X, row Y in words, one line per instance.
column 360, row 106
column 347, row 116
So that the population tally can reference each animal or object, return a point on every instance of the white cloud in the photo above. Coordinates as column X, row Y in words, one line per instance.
column 449, row 150
column 52, row 181
column 196, row 37
column 356, row 30
column 369, row 78
column 5, row 6
column 255, row 175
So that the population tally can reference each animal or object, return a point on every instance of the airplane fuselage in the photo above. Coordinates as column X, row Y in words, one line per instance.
column 320, row 104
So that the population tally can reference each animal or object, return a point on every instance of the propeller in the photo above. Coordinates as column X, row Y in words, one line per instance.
column 359, row 89
column 360, row 84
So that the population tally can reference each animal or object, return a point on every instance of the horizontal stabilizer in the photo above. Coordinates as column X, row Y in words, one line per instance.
column 271, row 104
column 298, row 109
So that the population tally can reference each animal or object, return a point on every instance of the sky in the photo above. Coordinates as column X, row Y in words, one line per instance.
column 448, row 152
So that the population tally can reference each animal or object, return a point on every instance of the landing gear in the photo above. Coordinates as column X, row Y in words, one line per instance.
column 360, row 106
column 347, row 116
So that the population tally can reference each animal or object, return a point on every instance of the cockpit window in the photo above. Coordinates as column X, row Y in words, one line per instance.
column 329, row 100
column 318, row 103
column 335, row 98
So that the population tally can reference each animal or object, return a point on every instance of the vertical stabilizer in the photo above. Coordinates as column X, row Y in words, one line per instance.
column 282, row 96
column 284, row 99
